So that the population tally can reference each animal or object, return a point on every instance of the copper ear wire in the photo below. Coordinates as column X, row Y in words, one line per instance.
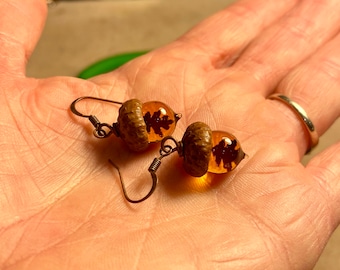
column 102, row 130
column 165, row 150
column 75, row 111
column 126, row 196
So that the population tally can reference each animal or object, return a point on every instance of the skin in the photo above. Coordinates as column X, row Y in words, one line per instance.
column 61, row 205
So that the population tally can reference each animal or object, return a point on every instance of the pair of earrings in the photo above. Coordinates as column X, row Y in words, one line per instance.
column 140, row 124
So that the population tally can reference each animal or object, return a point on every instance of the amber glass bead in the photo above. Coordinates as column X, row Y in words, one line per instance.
column 226, row 152
column 160, row 120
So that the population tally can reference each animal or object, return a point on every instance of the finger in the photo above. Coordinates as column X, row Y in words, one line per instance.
column 20, row 28
column 314, row 85
column 227, row 32
column 325, row 170
column 282, row 46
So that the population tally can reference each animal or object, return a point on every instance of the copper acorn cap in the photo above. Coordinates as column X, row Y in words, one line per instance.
column 131, row 125
column 197, row 146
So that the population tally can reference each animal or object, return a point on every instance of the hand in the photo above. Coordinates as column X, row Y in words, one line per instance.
column 61, row 201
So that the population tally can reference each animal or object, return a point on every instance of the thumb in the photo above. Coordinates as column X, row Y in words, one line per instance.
column 21, row 23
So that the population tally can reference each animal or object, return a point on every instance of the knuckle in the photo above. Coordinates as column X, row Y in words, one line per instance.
column 301, row 30
column 330, row 67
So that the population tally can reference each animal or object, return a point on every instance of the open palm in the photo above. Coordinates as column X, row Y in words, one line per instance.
column 61, row 204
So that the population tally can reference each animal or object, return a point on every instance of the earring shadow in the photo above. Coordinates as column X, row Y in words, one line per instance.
column 177, row 183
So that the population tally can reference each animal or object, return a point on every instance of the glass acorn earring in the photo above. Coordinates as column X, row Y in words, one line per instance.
column 138, row 123
column 202, row 149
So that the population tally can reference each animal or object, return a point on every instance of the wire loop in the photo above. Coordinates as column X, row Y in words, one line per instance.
column 167, row 149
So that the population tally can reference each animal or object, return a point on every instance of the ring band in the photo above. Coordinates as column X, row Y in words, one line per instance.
column 302, row 115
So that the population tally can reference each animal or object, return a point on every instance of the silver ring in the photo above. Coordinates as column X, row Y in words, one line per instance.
column 302, row 115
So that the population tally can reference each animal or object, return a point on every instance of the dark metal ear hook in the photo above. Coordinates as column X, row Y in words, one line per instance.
column 75, row 111
column 153, row 187
column 102, row 130
column 166, row 150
